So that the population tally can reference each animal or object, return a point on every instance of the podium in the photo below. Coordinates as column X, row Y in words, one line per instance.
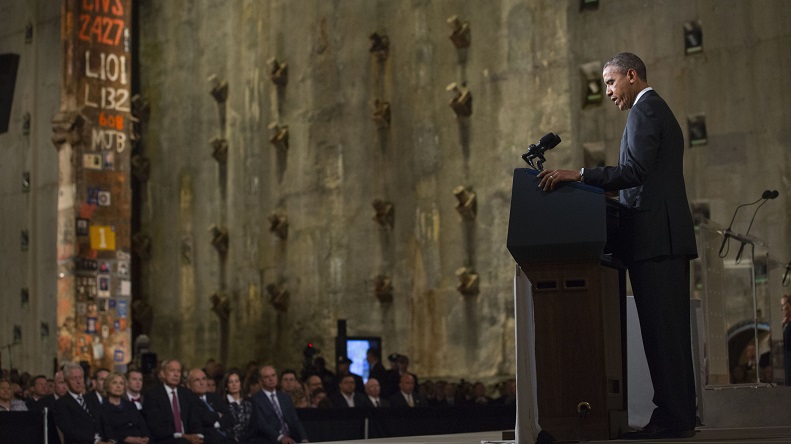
column 558, row 239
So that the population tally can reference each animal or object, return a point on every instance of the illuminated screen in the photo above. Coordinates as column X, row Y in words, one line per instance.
column 356, row 349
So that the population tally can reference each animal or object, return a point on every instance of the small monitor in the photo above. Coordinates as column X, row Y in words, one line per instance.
column 357, row 349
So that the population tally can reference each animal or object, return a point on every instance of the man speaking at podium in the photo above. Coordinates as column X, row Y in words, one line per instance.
column 659, row 239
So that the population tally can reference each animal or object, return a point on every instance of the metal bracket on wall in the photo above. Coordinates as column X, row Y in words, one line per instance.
column 380, row 46
column 278, row 72
column 461, row 101
column 278, row 224
column 383, row 288
column 468, row 281
column 219, row 89
column 279, row 136
column 460, row 32
column 467, row 205
column 384, row 213
column 278, row 296
column 381, row 114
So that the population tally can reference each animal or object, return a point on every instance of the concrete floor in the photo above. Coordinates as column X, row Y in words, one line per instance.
column 755, row 435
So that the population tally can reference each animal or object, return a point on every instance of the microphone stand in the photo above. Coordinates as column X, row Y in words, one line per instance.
column 741, row 248
column 786, row 280
column 727, row 234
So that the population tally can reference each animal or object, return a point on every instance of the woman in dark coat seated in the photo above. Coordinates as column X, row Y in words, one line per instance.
column 239, row 404
column 121, row 421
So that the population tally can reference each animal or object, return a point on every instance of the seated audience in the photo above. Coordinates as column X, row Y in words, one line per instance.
column 373, row 392
column 134, row 386
column 7, row 401
column 406, row 395
column 276, row 417
column 239, row 405
column 76, row 414
column 120, row 419
column 37, row 390
column 168, row 424
column 216, row 419
column 347, row 396
column 319, row 399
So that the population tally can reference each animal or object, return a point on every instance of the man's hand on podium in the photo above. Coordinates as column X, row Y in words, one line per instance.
column 550, row 178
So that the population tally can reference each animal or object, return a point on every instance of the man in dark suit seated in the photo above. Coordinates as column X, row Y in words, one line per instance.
column 38, row 389
column 77, row 415
column 343, row 368
column 97, row 381
column 372, row 391
column 275, row 418
column 346, row 396
column 171, row 411
column 41, row 398
column 134, row 386
column 216, row 417
column 406, row 395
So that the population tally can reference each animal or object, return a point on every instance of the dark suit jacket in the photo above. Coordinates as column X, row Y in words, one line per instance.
column 158, row 413
column 650, row 177
column 379, row 373
column 48, row 402
column 77, row 425
column 266, row 422
column 219, row 412
column 95, row 396
column 398, row 400
column 360, row 400
column 122, row 421
column 382, row 402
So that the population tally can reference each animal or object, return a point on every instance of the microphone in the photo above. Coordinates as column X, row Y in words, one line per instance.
column 537, row 150
column 766, row 196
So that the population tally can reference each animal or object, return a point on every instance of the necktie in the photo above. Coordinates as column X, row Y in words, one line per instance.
column 409, row 400
column 176, row 412
column 284, row 426
column 376, row 402
column 82, row 404
column 203, row 398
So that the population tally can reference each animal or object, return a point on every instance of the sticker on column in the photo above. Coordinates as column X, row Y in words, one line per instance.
column 104, row 286
column 102, row 237
column 92, row 161
column 123, row 309
column 92, row 197
column 123, row 269
column 104, row 198
column 109, row 160
column 90, row 327
column 126, row 288
column 82, row 226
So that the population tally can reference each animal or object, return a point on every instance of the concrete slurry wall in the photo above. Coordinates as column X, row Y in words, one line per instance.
column 337, row 163
column 523, row 70
column 734, row 82
column 30, row 322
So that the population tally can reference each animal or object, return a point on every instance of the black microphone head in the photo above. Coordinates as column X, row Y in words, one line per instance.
column 555, row 141
column 767, row 195
column 775, row 193
column 547, row 139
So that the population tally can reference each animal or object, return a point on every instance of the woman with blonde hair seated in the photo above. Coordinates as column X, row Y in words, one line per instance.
column 120, row 419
